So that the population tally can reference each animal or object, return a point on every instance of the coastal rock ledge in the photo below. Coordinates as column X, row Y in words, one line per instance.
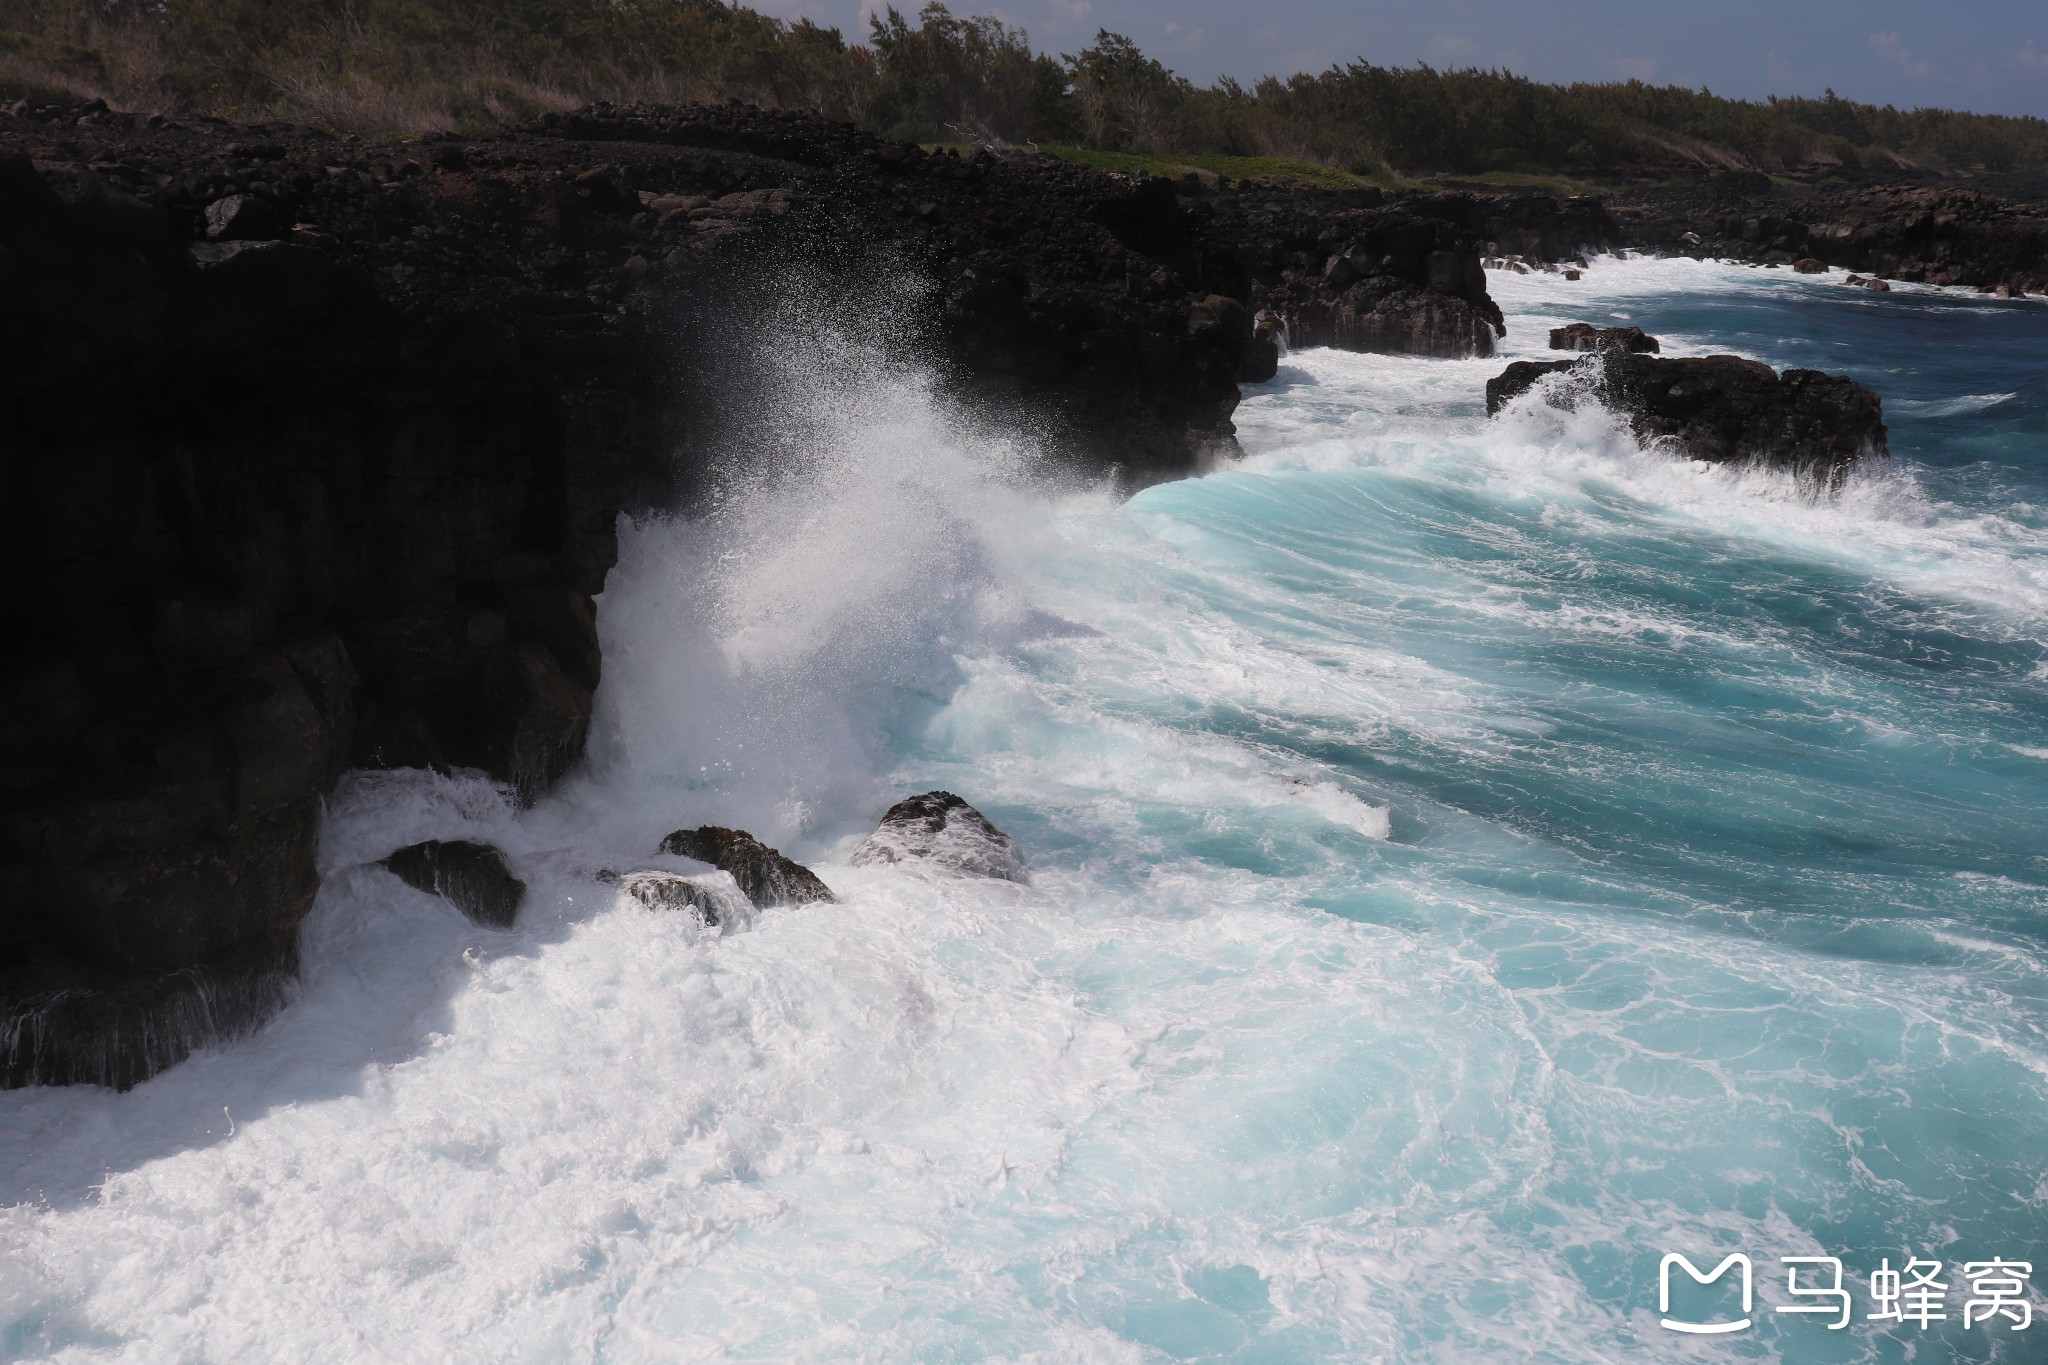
column 1720, row 408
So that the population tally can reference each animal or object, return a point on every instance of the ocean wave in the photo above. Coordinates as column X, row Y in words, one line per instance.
column 1950, row 407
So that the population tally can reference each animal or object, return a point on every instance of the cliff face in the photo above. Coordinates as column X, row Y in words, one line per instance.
column 315, row 449
column 1350, row 269
column 263, row 524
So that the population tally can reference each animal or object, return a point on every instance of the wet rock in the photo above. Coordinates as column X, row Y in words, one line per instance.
column 160, row 892
column 939, row 829
column 82, row 1027
column 1571, row 274
column 471, row 876
column 764, row 876
column 1723, row 408
column 1806, row 265
column 669, row 891
column 1260, row 359
column 1584, row 336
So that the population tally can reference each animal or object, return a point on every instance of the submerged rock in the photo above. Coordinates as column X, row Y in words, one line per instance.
column 669, row 891
column 941, row 829
column 471, row 876
column 1722, row 408
column 1584, row 336
column 764, row 875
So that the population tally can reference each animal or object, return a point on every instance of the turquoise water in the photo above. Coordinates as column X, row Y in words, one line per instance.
column 1470, row 860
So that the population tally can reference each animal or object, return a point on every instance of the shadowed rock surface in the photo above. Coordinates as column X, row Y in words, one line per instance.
column 1721, row 408
column 1347, row 268
column 470, row 876
column 765, row 877
column 939, row 829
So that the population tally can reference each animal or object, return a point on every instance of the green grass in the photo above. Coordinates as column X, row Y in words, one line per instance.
column 1237, row 167
column 1562, row 186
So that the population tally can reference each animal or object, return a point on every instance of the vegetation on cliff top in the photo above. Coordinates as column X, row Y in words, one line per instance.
column 423, row 65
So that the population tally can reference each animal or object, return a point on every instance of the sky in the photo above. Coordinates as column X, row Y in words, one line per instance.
column 1986, row 55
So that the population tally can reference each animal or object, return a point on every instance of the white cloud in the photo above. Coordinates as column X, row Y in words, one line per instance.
column 1451, row 47
column 1891, row 48
column 2031, row 58
column 1633, row 66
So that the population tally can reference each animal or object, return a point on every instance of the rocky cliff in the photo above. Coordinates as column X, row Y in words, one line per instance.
column 315, row 449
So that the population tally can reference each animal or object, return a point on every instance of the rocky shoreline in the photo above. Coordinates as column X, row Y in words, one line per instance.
column 317, row 446
column 1920, row 234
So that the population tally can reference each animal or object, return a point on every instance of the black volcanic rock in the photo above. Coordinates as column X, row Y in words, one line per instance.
column 1722, row 408
column 470, row 876
column 939, row 829
column 1345, row 268
column 765, row 877
column 1584, row 336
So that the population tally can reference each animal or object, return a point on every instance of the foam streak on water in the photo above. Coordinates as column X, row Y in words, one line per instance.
column 1470, row 860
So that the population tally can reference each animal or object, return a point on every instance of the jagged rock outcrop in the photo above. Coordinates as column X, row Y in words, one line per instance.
column 940, row 830
column 1721, row 408
column 764, row 876
column 1584, row 336
column 472, row 877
